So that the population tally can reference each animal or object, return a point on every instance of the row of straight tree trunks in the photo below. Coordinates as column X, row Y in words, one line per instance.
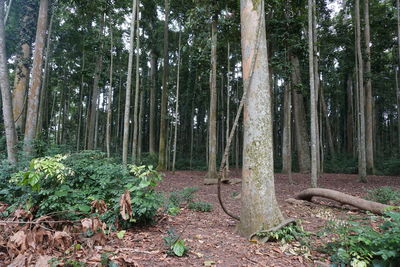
column 131, row 109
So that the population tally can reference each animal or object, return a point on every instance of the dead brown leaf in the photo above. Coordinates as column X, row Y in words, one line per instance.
column 125, row 205
column 19, row 261
column 62, row 240
column 99, row 206
column 43, row 261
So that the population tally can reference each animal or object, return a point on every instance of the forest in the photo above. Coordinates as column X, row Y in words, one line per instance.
column 200, row 133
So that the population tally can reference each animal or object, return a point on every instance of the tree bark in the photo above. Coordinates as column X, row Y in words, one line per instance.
column 11, row 136
column 313, row 100
column 360, row 203
column 164, row 97
column 110, row 96
column 398, row 70
column 350, row 115
column 95, row 95
column 212, row 130
column 362, row 168
column 125, row 140
column 177, row 103
column 302, row 137
column 137, row 89
column 328, row 124
column 259, row 208
column 368, row 91
column 152, row 120
column 34, row 92
column 286, row 139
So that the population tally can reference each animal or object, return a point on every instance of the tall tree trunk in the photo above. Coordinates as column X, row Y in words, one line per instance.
column 313, row 100
column 398, row 70
column 212, row 132
column 368, row 91
column 140, row 128
column 78, row 133
column 177, row 103
column 43, row 91
column 34, row 92
column 152, row 118
column 259, row 208
column 286, row 139
column 228, row 90
column 362, row 166
column 110, row 96
column 302, row 137
column 350, row 115
column 328, row 124
column 164, row 96
column 125, row 140
column 95, row 94
column 137, row 89
column 11, row 136
column 7, row 11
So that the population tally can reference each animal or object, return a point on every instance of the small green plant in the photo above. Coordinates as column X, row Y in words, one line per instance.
column 385, row 195
column 286, row 234
column 356, row 243
column 176, row 246
column 184, row 196
column 200, row 206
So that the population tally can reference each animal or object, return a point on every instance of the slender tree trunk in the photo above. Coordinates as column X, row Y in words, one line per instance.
column 259, row 208
column 78, row 132
column 228, row 90
column 43, row 91
column 164, row 97
column 350, row 115
column 110, row 96
column 286, row 141
column 20, row 86
column 314, row 152
column 302, row 137
column 328, row 124
column 152, row 118
column 368, row 91
column 125, row 147
column 362, row 168
column 34, row 92
column 95, row 95
column 11, row 136
column 140, row 128
column 212, row 142
column 192, row 131
column 398, row 70
column 177, row 103
column 7, row 11
column 137, row 90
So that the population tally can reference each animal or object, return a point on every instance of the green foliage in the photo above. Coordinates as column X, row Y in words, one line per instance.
column 389, row 166
column 73, row 182
column 184, row 196
column 200, row 206
column 286, row 234
column 384, row 195
column 176, row 246
column 343, row 163
column 359, row 244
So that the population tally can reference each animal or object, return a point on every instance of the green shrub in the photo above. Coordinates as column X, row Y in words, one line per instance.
column 389, row 166
column 384, row 195
column 342, row 163
column 359, row 244
column 184, row 196
column 200, row 206
column 73, row 182
column 176, row 246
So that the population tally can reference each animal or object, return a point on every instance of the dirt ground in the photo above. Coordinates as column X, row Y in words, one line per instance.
column 211, row 235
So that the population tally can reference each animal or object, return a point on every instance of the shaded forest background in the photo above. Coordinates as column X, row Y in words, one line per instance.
column 84, row 78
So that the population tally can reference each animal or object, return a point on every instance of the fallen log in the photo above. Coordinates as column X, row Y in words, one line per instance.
column 343, row 198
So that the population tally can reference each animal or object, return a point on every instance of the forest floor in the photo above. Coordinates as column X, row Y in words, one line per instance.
column 211, row 236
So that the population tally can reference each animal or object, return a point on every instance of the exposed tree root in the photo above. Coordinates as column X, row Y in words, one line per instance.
column 343, row 198
column 263, row 239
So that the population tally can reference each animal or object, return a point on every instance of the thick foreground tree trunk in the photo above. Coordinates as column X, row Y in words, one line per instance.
column 33, row 98
column 9, row 125
column 259, row 208
column 343, row 198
